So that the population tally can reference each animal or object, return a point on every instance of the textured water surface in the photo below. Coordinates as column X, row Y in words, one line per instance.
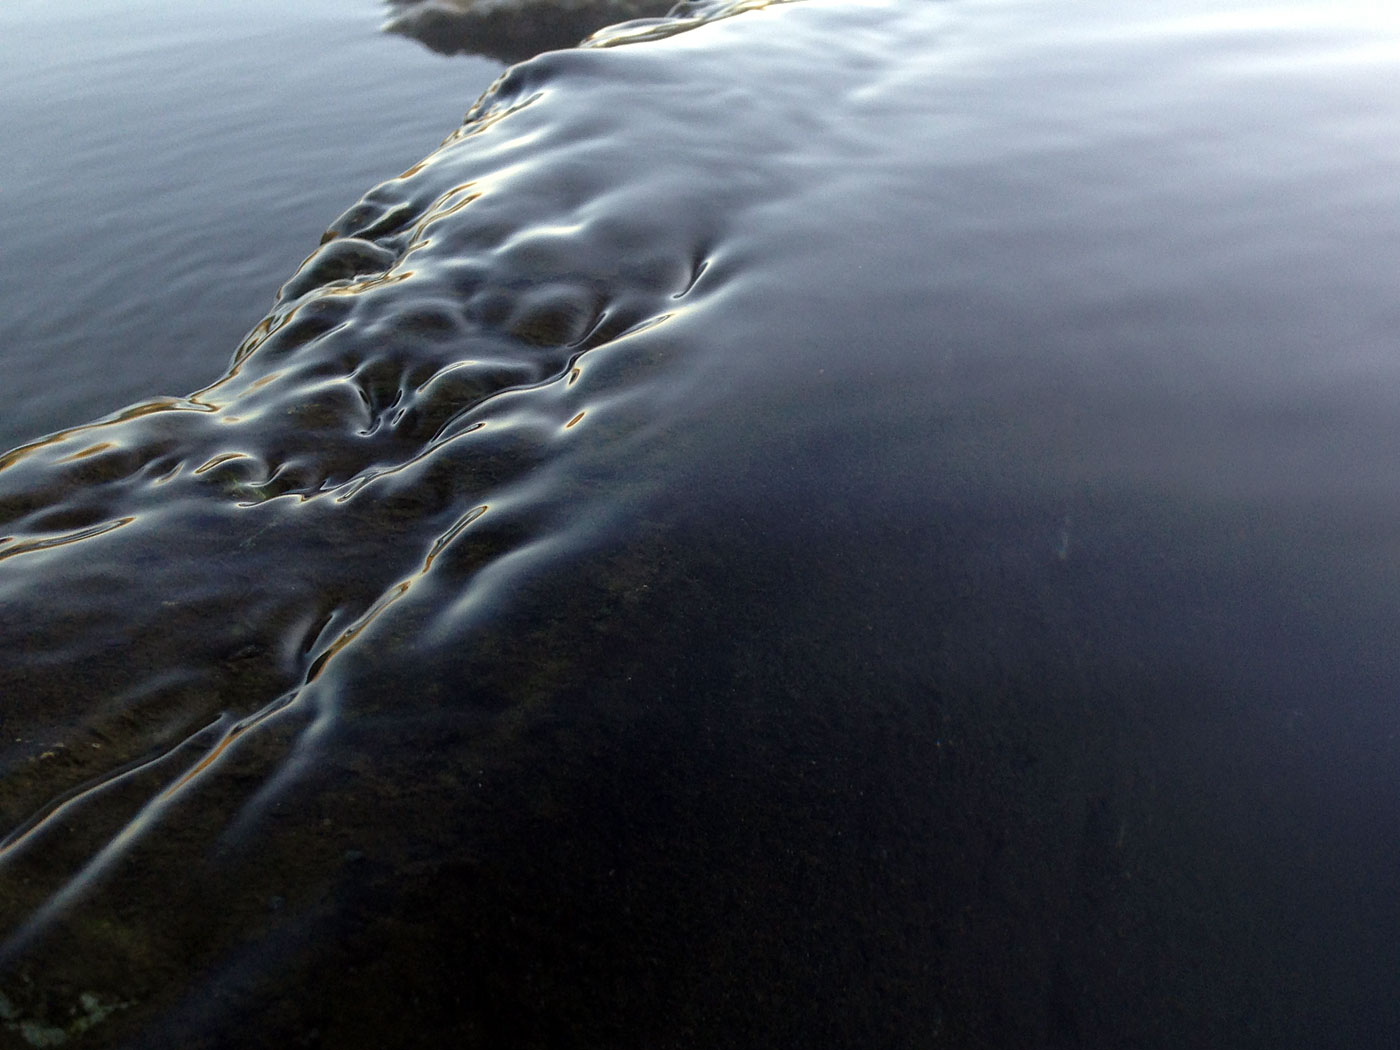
column 846, row 524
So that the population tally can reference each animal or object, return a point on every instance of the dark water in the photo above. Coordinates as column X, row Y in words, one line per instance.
column 514, row 31
column 848, row 525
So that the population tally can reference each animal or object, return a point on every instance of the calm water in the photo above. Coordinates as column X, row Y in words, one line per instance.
column 851, row 524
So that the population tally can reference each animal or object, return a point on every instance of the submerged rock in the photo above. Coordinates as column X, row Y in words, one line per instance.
column 511, row 30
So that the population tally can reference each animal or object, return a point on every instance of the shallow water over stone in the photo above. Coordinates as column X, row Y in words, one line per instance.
column 514, row 30
column 848, row 524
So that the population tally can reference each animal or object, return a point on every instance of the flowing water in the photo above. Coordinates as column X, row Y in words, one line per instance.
column 834, row 524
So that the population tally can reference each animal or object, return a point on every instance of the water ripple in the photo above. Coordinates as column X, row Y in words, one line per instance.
column 753, row 518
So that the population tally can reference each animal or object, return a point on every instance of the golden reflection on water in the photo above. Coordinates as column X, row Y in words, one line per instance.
column 10, row 547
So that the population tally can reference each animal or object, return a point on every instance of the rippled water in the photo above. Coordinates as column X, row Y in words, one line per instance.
column 850, row 524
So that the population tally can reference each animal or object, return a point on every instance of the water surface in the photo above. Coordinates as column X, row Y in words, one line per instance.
column 846, row 524
column 166, row 165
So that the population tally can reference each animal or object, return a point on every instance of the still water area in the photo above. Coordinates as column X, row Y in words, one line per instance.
column 835, row 524
column 166, row 165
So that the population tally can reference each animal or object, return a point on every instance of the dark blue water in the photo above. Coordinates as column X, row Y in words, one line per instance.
column 843, row 525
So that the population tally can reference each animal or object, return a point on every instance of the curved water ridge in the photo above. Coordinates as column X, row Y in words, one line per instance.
column 438, row 402
column 415, row 406
column 472, row 347
column 853, row 524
